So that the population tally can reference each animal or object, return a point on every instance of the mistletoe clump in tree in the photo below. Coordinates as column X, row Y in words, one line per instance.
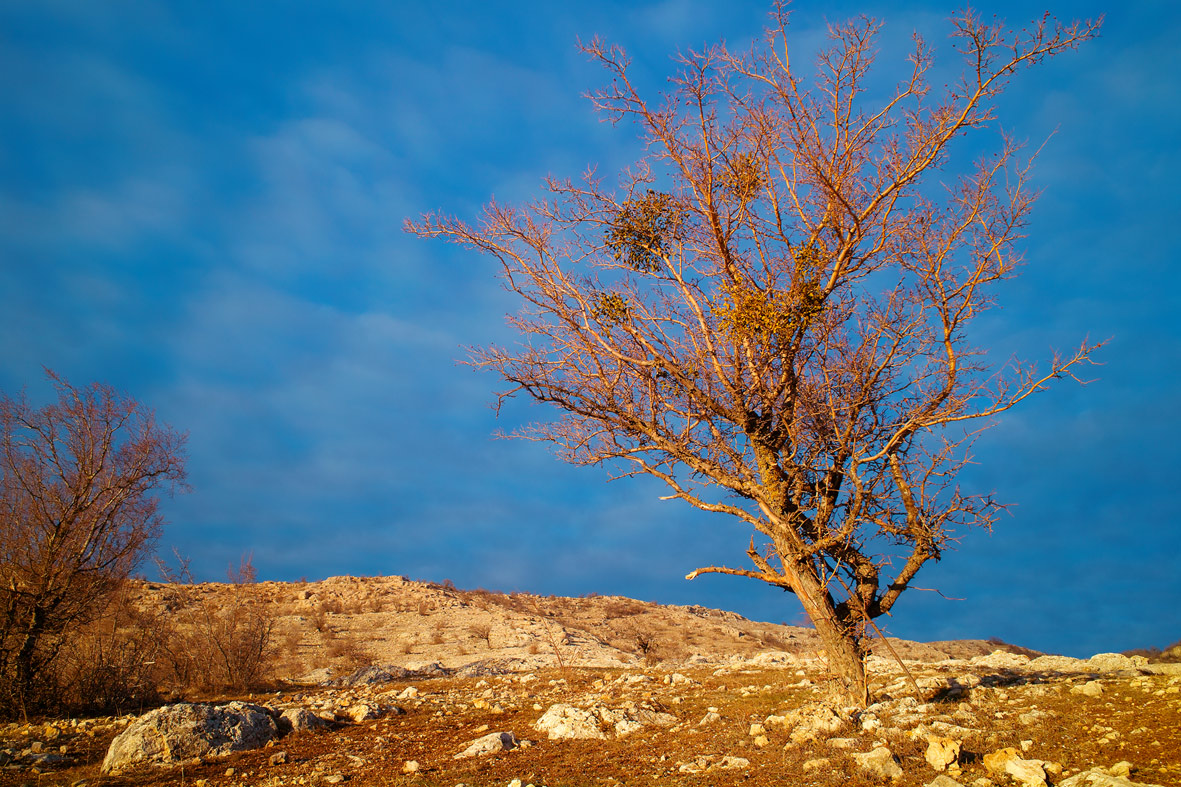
column 772, row 313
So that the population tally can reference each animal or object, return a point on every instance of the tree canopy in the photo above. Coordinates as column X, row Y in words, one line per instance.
column 772, row 312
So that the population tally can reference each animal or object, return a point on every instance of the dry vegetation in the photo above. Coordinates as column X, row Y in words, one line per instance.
column 610, row 651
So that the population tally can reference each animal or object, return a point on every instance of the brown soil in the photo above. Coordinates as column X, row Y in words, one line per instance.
column 1136, row 718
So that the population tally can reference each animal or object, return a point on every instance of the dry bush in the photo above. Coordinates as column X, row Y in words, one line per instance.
column 109, row 665
column 349, row 653
column 772, row 640
column 437, row 636
column 481, row 631
column 425, row 608
column 623, row 607
column 319, row 619
column 221, row 639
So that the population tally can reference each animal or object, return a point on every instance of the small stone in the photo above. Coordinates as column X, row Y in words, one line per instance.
column 879, row 762
column 942, row 752
column 816, row 764
column 1122, row 769
column 490, row 743
column 278, row 758
column 335, row 778
column 994, row 762
column 1028, row 772
column 943, row 781
column 229, row 771
column 410, row 766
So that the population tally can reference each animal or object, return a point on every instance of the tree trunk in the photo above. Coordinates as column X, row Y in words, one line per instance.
column 842, row 643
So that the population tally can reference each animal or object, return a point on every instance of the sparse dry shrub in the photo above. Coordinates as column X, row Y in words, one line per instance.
column 349, row 653
column 425, row 608
column 219, row 639
column 108, row 665
column 319, row 619
column 437, row 636
column 534, row 648
column 481, row 631
column 769, row 639
column 623, row 607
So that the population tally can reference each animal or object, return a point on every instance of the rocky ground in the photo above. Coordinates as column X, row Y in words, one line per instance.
column 567, row 707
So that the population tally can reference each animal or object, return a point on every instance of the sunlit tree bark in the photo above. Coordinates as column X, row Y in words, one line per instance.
column 78, row 512
column 772, row 311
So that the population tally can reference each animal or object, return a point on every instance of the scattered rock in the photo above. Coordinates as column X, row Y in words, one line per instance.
column 707, row 763
column 942, row 752
column 299, row 720
column 182, row 732
column 812, row 722
column 880, row 762
column 1091, row 688
column 489, row 744
column 372, row 675
column 563, row 721
column 994, row 762
column 364, row 711
column 943, row 781
column 278, row 758
column 1027, row 772
column 1111, row 662
column 1098, row 778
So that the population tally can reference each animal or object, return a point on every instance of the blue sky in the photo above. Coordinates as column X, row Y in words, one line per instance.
column 201, row 204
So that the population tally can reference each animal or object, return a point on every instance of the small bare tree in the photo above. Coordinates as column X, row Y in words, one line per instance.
column 78, row 512
column 772, row 312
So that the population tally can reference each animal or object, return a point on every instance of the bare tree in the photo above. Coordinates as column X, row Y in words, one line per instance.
column 772, row 311
column 78, row 513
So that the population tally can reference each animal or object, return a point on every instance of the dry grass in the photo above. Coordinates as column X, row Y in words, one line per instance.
column 651, row 757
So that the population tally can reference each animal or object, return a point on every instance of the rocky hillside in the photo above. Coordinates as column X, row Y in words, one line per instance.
column 336, row 625
column 392, row 682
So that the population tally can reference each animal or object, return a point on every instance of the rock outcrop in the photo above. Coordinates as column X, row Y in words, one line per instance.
column 176, row 733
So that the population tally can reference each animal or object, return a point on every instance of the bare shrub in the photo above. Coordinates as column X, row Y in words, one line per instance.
column 108, row 666
column 319, row 619
column 221, row 639
column 481, row 631
column 348, row 652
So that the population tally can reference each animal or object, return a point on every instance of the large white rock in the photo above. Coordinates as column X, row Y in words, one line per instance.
column 184, row 731
column 1097, row 778
column 942, row 751
column 1107, row 662
column 566, row 721
column 300, row 719
column 880, row 762
column 1027, row 772
column 489, row 744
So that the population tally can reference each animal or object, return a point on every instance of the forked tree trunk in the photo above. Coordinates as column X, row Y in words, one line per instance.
column 843, row 648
